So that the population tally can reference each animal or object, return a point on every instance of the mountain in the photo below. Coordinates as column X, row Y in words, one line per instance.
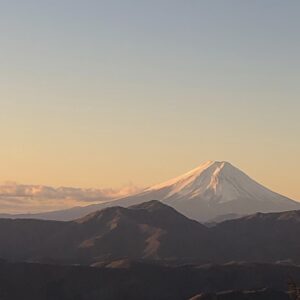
column 264, row 237
column 145, row 281
column 151, row 231
column 212, row 190
column 222, row 218
column 148, row 231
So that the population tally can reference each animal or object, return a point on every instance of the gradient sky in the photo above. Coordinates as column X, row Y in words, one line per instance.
column 104, row 93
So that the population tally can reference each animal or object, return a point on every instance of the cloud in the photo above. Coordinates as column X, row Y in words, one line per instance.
column 20, row 198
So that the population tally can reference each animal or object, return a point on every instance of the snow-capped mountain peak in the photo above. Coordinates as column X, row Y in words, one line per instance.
column 211, row 179
column 216, row 188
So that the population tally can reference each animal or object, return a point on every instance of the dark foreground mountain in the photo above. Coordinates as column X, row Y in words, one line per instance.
column 152, row 231
column 208, row 192
column 261, row 237
column 145, row 281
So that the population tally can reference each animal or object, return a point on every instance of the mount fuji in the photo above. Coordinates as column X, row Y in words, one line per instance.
column 212, row 190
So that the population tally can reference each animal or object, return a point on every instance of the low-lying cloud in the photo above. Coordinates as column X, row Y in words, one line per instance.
column 20, row 198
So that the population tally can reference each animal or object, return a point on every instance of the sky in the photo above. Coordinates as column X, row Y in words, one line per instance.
column 111, row 93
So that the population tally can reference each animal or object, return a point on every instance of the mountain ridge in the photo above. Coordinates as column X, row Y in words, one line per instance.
column 148, row 231
column 151, row 231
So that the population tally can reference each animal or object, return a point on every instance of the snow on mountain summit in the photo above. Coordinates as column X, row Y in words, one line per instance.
column 213, row 180
column 217, row 188
column 206, row 177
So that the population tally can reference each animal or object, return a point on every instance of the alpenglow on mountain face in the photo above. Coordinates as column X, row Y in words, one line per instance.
column 211, row 190
column 214, row 189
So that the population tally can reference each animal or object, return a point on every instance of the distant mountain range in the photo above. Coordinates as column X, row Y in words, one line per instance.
column 151, row 231
column 209, row 192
